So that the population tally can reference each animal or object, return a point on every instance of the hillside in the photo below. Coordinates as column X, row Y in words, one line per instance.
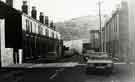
column 77, row 28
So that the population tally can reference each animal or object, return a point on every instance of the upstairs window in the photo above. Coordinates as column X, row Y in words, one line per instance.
column 52, row 34
column 47, row 32
column 39, row 29
column 30, row 26
column 27, row 26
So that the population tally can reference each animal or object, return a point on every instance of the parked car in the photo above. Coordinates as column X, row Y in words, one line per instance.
column 99, row 61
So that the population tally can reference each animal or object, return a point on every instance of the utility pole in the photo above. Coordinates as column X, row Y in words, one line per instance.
column 100, row 25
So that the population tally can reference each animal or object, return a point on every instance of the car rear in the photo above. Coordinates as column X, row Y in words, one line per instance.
column 100, row 63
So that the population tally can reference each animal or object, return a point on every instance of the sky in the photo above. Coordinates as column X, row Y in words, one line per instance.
column 60, row 10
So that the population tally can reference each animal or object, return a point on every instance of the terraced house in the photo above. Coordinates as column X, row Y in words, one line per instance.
column 116, row 33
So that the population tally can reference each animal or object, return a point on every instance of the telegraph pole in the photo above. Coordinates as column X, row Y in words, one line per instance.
column 100, row 25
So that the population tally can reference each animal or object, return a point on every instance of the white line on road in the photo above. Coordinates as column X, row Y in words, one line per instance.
column 112, row 81
column 56, row 73
column 131, row 62
column 115, row 81
column 60, row 70
column 121, row 63
column 81, row 64
column 124, row 63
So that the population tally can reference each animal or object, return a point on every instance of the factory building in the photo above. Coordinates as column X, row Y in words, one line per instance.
column 95, row 40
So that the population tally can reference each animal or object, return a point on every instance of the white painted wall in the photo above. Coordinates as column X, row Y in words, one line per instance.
column 6, row 54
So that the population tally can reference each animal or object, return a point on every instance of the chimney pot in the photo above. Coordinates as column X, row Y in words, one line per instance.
column 41, row 17
column 25, row 7
column 46, row 21
column 34, row 12
column 9, row 3
column 54, row 27
column 51, row 24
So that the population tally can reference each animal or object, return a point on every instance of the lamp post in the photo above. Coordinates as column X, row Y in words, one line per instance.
column 100, row 25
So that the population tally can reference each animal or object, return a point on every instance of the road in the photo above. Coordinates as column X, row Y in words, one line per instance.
column 122, row 73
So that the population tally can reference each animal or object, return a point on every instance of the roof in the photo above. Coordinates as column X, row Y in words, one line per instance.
column 13, row 9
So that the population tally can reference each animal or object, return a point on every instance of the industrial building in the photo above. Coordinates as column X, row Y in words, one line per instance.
column 95, row 40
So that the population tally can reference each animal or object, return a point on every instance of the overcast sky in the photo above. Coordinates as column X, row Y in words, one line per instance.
column 60, row 10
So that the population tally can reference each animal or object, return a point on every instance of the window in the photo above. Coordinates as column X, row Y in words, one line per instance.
column 56, row 36
column 116, row 23
column 30, row 26
column 39, row 29
column 47, row 32
column 34, row 28
column 43, row 31
column 52, row 34
column 27, row 26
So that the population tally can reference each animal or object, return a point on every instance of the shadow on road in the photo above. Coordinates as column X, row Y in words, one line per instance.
column 99, row 73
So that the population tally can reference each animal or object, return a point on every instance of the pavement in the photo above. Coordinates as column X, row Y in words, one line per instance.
column 70, row 58
column 68, row 61
column 19, row 74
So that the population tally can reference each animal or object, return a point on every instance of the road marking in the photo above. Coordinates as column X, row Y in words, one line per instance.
column 56, row 73
column 60, row 70
column 115, row 81
column 53, row 76
column 131, row 62
column 121, row 63
column 112, row 81
column 81, row 64
column 124, row 63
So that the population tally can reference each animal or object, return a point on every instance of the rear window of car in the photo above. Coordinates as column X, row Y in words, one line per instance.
column 99, row 56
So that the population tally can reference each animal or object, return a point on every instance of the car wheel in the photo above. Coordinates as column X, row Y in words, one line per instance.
column 89, row 70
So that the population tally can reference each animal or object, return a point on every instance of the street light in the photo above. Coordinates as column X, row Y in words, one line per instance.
column 100, row 24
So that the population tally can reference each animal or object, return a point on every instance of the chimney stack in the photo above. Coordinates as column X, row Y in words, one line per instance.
column 10, row 3
column 25, row 7
column 34, row 12
column 46, row 21
column 51, row 24
column 41, row 17
column 54, row 27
